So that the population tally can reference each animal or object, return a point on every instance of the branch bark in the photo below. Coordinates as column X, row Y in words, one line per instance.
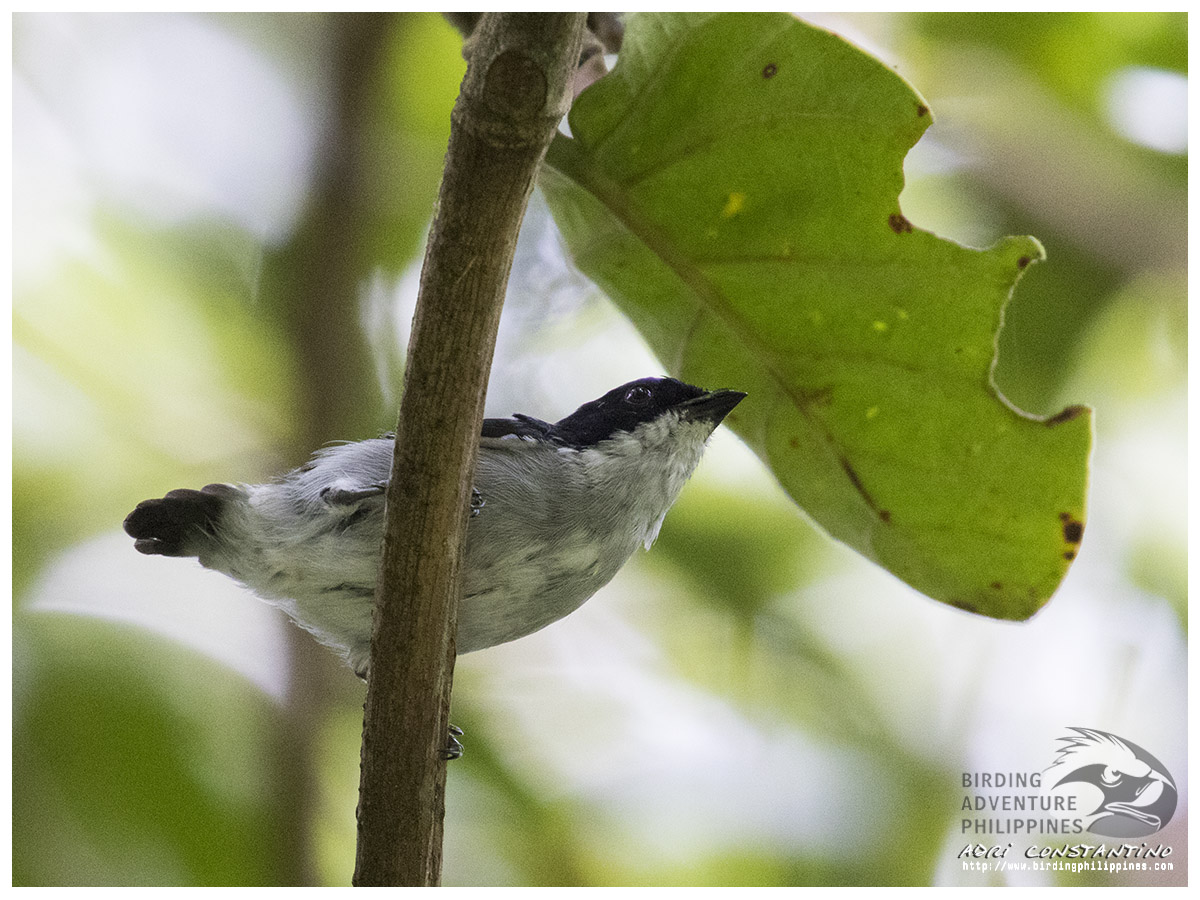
column 515, row 92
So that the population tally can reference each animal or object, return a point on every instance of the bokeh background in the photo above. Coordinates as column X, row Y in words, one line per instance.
column 217, row 227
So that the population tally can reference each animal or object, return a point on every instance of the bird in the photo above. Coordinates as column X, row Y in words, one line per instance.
column 556, row 511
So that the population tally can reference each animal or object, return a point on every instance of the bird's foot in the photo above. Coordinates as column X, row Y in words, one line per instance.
column 454, row 747
column 338, row 497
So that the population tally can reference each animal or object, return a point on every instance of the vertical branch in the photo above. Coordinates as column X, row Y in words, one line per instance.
column 516, row 90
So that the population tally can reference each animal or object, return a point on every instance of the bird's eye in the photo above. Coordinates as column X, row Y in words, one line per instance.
column 638, row 396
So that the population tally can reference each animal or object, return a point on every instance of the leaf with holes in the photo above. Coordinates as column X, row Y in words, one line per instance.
column 733, row 185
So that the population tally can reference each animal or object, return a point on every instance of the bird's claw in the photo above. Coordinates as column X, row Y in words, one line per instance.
column 339, row 497
column 454, row 747
column 477, row 502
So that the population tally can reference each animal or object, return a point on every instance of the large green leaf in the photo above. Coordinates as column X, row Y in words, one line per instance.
column 733, row 185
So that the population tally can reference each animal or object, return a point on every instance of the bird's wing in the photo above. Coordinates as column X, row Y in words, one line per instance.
column 519, row 426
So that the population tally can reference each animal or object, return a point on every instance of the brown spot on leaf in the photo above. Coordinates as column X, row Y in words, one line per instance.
column 818, row 397
column 997, row 586
column 769, row 70
column 1071, row 412
column 964, row 606
column 1023, row 262
column 899, row 224
column 1069, row 555
column 1072, row 530
column 885, row 515
column 794, row 443
column 922, row 110
column 851, row 474
column 858, row 485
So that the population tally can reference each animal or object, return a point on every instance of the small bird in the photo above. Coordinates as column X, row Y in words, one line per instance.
column 556, row 511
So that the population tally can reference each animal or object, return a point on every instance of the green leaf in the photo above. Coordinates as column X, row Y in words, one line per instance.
column 733, row 185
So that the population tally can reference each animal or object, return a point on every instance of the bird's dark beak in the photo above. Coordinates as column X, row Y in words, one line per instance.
column 711, row 407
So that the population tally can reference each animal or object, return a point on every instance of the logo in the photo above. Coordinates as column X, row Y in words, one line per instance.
column 1132, row 792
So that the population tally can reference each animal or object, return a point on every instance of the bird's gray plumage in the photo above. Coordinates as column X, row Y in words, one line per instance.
column 559, row 509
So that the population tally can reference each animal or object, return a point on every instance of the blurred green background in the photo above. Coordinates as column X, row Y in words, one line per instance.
column 218, row 221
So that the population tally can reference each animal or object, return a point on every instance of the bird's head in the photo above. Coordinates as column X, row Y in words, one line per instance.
column 652, row 413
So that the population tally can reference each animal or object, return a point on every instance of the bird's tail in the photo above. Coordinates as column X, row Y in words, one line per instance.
column 183, row 523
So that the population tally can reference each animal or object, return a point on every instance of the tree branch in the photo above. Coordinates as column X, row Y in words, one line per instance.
column 516, row 90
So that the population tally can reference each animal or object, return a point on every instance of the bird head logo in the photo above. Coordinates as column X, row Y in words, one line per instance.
column 1135, row 793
